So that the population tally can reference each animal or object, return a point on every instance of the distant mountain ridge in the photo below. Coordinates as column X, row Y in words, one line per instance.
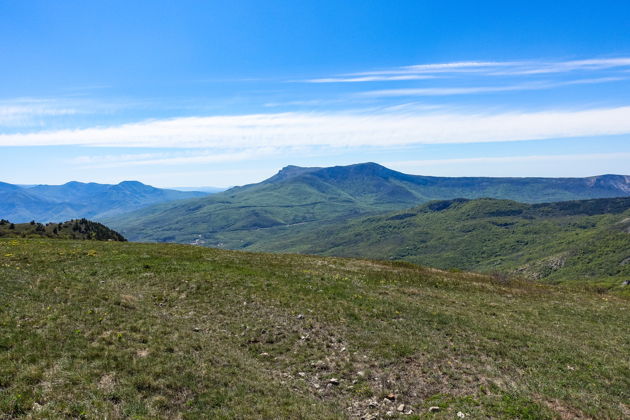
column 300, row 198
column 525, row 189
column 48, row 203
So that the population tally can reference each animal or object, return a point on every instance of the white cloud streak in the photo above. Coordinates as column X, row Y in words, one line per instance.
column 448, row 91
column 570, row 66
column 439, row 68
column 18, row 114
column 377, row 78
column 484, row 68
column 171, row 159
column 289, row 130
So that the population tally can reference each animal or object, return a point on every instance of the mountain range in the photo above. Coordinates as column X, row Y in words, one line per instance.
column 53, row 203
column 307, row 198
column 522, row 225
column 550, row 229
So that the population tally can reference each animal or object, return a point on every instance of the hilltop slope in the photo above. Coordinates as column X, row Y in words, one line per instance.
column 51, row 203
column 252, row 214
column 583, row 240
column 122, row 330
column 71, row 229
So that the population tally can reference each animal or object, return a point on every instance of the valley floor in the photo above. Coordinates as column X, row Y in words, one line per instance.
column 117, row 330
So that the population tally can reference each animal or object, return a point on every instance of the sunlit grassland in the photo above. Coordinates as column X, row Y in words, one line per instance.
column 113, row 330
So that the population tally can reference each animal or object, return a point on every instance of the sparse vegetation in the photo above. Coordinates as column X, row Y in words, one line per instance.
column 72, row 229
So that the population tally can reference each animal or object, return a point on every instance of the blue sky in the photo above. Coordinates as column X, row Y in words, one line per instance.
column 193, row 93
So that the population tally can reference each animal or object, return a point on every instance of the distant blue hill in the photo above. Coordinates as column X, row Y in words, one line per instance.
column 73, row 200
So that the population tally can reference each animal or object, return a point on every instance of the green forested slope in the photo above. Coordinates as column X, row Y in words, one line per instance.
column 574, row 241
column 71, row 229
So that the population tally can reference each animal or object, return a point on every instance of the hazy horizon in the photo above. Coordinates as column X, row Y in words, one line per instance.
column 225, row 187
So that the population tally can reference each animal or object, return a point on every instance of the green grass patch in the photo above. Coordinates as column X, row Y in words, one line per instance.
column 120, row 330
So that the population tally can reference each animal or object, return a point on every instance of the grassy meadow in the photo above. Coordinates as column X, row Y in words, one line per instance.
column 127, row 330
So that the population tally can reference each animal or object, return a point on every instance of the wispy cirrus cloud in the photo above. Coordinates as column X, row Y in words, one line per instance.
column 171, row 158
column 480, row 68
column 416, row 72
column 375, row 78
column 447, row 91
column 24, row 111
column 568, row 66
column 286, row 130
